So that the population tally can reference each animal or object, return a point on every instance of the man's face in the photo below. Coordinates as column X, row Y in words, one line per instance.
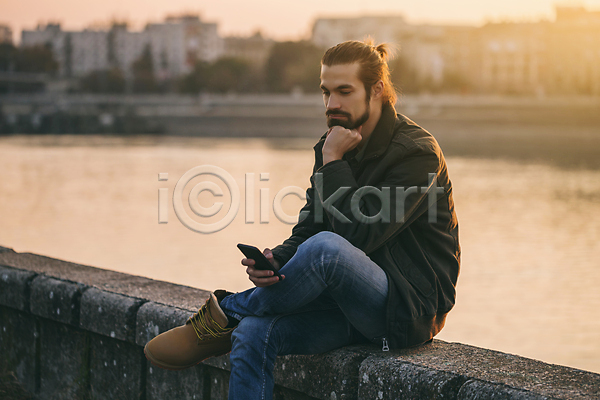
column 344, row 95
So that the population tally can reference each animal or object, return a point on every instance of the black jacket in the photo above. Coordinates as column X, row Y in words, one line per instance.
column 420, row 257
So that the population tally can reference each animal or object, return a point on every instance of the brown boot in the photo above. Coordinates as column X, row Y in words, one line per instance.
column 204, row 335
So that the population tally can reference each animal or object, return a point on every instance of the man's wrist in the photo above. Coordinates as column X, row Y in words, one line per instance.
column 328, row 157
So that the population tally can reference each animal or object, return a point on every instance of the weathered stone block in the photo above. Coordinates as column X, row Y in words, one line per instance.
column 109, row 314
column 186, row 385
column 478, row 390
column 116, row 369
column 281, row 393
column 497, row 368
column 154, row 319
column 332, row 375
column 18, row 336
column 14, row 287
column 219, row 383
column 55, row 299
column 221, row 362
column 64, row 362
column 385, row 377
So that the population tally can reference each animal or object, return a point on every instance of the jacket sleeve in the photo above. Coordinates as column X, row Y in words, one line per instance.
column 407, row 183
column 306, row 226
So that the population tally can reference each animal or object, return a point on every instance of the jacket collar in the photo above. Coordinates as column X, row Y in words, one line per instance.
column 381, row 136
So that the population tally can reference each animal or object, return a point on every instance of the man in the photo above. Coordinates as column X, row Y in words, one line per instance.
column 374, row 257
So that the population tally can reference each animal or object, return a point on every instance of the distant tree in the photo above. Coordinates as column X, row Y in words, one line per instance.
column 8, row 54
column 197, row 80
column 35, row 59
column 143, row 73
column 293, row 64
column 229, row 74
column 404, row 76
column 104, row 81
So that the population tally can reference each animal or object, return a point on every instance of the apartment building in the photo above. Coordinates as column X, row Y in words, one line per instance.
column 560, row 56
column 5, row 34
column 175, row 44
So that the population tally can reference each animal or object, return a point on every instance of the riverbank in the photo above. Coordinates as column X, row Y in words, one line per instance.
column 560, row 131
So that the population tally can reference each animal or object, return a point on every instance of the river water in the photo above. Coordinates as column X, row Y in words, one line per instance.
column 529, row 230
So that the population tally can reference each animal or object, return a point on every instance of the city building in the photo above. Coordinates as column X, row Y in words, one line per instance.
column 328, row 32
column 86, row 51
column 5, row 34
column 558, row 57
column 53, row 36
column 175, row 45
column 77, row 53
column 255, row 49
column 536, row 58
column 573, row 52
column 511, row 57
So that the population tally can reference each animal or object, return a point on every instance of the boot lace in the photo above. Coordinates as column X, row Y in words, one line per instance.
column 201, row 325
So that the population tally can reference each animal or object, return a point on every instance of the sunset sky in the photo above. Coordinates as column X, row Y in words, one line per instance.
column 275, row 18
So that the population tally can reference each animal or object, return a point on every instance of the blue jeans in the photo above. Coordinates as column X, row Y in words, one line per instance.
column 333, row 295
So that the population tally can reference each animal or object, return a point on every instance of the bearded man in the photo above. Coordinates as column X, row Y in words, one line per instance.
column 374, row 257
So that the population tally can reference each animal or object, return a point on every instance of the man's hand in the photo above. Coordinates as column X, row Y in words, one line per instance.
column 339, row 141
column 262, row 278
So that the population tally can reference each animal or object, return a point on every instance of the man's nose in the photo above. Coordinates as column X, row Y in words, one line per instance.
column 333, row 103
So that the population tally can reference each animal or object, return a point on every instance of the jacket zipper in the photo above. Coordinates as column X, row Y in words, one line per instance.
column 385, row 345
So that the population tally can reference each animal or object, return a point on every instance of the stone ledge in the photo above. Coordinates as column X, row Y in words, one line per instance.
column 109, row 314
column 475, row 390
column 63, row 299
column 15, row 287
column 6, row 249
column 56, row 299
column 329, row 375
column 332, row 375
column 390, row 378
column 501, row 372
column 184, row 297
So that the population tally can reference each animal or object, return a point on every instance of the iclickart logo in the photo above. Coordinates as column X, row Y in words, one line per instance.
column 194, row 223
column 387, row 196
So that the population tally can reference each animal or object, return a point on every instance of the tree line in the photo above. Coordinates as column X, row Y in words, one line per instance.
column 289, row 66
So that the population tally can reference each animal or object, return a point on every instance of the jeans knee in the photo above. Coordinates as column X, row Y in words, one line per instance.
column 251, row 334
column 253, row 337
column 325, row 242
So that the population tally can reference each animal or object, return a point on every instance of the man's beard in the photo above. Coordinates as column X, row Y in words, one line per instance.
column 349, row 123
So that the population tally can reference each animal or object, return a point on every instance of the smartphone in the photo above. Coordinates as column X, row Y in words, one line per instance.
column 260, row 261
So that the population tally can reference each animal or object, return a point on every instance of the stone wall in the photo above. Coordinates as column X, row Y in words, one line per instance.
column 70, row 331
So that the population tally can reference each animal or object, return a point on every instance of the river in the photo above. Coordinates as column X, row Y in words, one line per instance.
column 529, row 229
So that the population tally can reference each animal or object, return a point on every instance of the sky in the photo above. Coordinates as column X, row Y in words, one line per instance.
column 275, row 18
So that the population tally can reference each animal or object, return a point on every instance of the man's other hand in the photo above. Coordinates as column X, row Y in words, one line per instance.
column 340, row 141
column 262, row 278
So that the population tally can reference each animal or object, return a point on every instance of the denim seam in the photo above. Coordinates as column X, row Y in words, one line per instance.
column 266, row 344
column 233, row 315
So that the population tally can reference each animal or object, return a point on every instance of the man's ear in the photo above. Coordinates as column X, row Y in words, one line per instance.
column 377, row 90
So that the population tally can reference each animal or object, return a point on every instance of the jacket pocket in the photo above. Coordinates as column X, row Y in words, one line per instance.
column 410, row 271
